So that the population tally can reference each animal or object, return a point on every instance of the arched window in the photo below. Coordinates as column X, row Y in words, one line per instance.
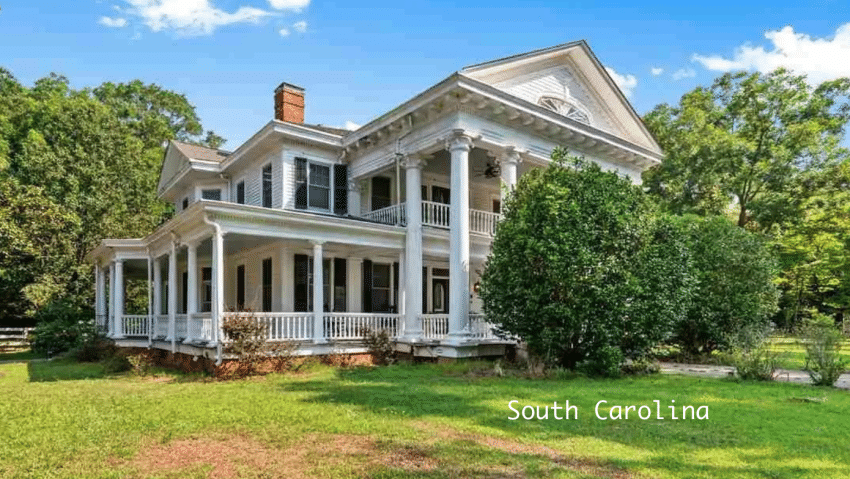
column 566, row 106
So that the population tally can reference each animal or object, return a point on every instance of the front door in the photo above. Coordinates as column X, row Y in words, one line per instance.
column 440, row 295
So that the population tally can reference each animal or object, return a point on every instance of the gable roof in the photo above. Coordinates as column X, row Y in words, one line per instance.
column 197, row 152
column 567, row 67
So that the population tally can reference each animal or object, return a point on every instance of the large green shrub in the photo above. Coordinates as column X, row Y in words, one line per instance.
column 582, row 270
column 735, row 294
column 822, row 340
column 62, row 327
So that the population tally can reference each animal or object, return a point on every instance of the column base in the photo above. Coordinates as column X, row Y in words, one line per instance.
column 459, row 338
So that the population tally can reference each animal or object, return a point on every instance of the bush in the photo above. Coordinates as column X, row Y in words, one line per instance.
column 95, row 349
column 822, row 340
column 758, row 363
column 735, row 293
column 61, row 327
column 640, row 366
column 379, row 343
column 583, row 270
column 117, row 363
column 247, row 340
column 140, row 364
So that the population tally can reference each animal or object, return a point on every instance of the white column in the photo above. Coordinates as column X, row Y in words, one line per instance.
column 287, row 278
column 119, row 299
column 217, row 284
column 150, row 301
column 157, row 289
column 459, row 146
column 172, row 295
column 98, row 295
column 413, row 250
column 354, row 284
column 191, row 291
column 508, row 163
column 318, row 294
column 401, row 301
column 110, row 301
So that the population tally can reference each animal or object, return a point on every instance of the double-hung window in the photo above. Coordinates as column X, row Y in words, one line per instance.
column 267, row 186
column 318, row 187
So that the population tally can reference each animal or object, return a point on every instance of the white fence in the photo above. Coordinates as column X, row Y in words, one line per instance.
column 135, row 325
column 435, row 326
column 437, row 215
column 13, row 338
column 483, row 222
column 352, row 325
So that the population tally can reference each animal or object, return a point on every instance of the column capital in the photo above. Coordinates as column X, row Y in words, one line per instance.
column 459, row 139
column 316, row 243
column 414, row 161
column 510, row 155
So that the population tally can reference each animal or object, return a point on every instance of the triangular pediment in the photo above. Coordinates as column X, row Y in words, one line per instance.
column 173, row 162
column 569, row 80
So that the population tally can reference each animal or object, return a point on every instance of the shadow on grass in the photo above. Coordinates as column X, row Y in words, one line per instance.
column 24, row 355
column 724, row 447
column 64, row 369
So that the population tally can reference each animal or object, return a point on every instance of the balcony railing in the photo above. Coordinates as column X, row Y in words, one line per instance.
column 135, row 325
column 436, row 215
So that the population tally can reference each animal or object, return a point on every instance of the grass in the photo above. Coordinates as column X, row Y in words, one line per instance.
column 61, row 419
column 19, row 355
column 793, row 353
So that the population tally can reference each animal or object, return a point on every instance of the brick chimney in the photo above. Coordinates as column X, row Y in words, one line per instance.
column 289, row 103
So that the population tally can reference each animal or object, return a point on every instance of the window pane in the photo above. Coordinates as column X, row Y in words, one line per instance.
column 320, row 175
column 381, row 276
column 240, row 192
column 214, row 195
column 319, row 197
column 267, row 186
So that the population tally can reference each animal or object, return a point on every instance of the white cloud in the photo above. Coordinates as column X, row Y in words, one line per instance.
column 627, row 83
column 295, row 5
column 284, row 32
column 113, row 22
column 656, row 71
column 300, row 27
column 684, row 73
column 190, row 17
column 820, row 58
column 350, row 125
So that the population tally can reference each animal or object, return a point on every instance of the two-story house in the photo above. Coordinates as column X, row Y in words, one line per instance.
column 321, row 231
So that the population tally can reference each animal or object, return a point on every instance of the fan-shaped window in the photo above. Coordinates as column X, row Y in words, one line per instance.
column 567, row 107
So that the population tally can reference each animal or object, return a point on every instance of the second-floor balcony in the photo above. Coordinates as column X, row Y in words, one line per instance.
column 436, row 215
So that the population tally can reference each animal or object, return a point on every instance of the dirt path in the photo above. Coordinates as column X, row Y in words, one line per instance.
column 711, row 371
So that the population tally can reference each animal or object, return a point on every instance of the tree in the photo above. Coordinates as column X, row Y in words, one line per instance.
column 735, row 295
column 743, row 141
column 575, row 270
column 94, row 157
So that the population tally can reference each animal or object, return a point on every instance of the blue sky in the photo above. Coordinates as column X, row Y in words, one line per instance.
column 358, row 59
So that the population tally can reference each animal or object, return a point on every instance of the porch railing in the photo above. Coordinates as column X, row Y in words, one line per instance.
column 181, row 326
column 483, row 222
column 352, row 325
column 390, row 215
column 160, row 329
column 135, row 325
column 479, row 328
column 199, row 327
column 435, row 326
column 436, row 214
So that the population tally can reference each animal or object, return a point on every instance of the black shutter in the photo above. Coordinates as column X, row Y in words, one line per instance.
column 339, row 287
column 367, row 286
column 267, row 285
column 185, row 287
column 341, row 189
column 395, row 293
column 302, row 300
column 301, row 183
column 425, row 290
column 267, row 186
column 240, row 287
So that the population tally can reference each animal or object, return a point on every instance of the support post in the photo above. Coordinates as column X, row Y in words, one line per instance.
column 413, row 250
column 119, row 299
column 98, row 297
column 110, row 301
column 509, row 163
column 459, row 146
column 217, row 285
column 157, row 295
column 318, row 294
column 172, row 296
column 191, row 291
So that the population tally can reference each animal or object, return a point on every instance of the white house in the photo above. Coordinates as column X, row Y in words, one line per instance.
column 389, row 225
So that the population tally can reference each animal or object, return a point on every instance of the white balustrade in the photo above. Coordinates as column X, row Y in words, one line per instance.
column 160, row 326
column 283, row 326
column 352, row 325
column 435, row 326
column 483, row 222
column 181, row 326
column 390, row 215
column 135, row 324
column 479, row 328
column 435, row 214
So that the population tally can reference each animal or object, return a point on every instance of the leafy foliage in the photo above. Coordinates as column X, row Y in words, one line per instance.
column 62, row 327
column 735, row 296
column 77, row 166
column 823, row 345
column 572, row 273
column 380, row 345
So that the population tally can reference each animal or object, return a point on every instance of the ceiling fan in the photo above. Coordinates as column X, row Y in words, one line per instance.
column 493, row 170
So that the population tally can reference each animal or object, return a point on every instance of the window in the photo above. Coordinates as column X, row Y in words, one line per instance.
column 301, row 183
column 566, row 106
column 185, row 202
column 380, row 287
column 214, row 195
column 240, row 192
column 267, row 186
column 381, row 197
column 240, row 287
column 320, row 187
column 184, row 286
column 440, row 195
column 339, row 284
column 267, row 285
column 497, row 206
column 206, row 284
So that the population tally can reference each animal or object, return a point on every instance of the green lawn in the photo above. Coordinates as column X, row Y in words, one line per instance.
column 793, row 353
column 423, row 421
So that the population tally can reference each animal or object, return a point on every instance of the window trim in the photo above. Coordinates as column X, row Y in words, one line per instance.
column 331, row 190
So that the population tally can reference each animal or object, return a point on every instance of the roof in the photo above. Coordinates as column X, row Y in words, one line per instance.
column 328, row 129
column 197, row 152
column 519, row 56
